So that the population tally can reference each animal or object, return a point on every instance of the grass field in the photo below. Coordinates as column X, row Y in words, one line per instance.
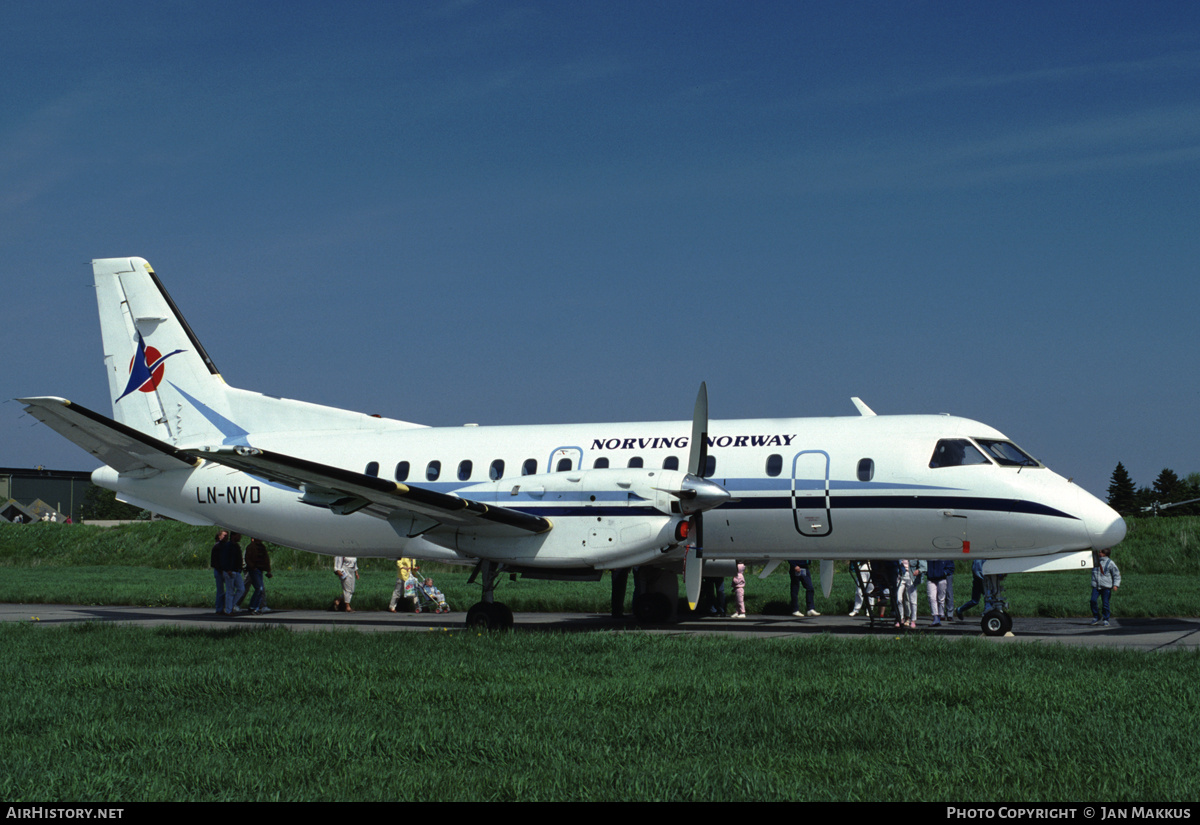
column 107, row 713
column 103, row 713
column 166, row 563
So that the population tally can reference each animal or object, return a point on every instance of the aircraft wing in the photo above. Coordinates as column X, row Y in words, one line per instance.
column 123, row 448
column 345, row 492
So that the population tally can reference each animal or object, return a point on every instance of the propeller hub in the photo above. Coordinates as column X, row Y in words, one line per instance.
column 699, row 494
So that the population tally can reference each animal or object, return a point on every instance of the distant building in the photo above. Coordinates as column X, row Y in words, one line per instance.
column 32, row 493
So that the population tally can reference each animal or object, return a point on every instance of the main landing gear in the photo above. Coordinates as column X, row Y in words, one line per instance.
column 488, row 614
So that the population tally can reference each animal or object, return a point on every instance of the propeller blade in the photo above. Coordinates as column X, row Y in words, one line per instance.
column 693, row 570
column 698, row 455
column 826, row 577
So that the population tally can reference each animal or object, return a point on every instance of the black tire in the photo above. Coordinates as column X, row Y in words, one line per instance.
column 996, row 623
column 502, row 616
column 478, row 616
column 494, row 616
column 652, row 608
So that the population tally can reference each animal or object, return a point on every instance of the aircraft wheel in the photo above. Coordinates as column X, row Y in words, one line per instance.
column 479, row 617
column 502, row 616
column 996, row 623
column 494, row 616
column 652, row 608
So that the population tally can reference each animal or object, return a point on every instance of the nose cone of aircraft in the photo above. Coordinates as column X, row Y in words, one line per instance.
column 1106, row 529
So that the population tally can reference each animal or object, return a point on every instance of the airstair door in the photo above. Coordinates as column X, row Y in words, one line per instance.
column 811, row 509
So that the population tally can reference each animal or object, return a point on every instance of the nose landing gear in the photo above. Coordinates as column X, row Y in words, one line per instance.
column 996, row 621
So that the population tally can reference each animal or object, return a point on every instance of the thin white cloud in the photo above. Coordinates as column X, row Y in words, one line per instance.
column 1158, row 67
column 1142, row 138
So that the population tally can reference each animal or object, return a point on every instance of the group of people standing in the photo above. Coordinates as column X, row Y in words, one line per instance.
column 898, row 583
column 902, row 579
column 228, row 567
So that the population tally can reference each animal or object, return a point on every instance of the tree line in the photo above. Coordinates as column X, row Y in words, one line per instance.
column 1169, row 489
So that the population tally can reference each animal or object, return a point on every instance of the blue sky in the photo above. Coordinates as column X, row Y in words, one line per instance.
column 554, row 212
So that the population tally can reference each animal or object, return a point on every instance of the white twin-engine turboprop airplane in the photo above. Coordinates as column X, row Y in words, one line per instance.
column 563, row 501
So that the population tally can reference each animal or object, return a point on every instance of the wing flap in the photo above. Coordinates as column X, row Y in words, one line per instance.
column 345, row 491
column 121, row 447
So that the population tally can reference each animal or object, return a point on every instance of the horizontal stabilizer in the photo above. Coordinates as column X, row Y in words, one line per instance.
column 346, row 491
column 121, row 447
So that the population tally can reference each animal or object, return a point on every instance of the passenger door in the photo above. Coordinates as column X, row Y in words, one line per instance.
column 811, row 511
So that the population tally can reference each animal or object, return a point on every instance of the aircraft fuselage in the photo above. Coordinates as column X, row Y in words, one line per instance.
column 826, row 488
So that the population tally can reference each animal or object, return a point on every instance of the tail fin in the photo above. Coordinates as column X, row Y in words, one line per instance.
column 163, row 383
column 159, row 375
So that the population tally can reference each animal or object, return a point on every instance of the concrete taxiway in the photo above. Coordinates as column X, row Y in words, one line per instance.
column 1157, row 634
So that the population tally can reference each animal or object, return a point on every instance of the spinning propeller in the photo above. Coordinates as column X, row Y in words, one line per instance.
column 696, row 495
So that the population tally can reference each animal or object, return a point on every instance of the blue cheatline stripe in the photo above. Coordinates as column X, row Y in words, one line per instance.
column 914, row 502
column 839, row 503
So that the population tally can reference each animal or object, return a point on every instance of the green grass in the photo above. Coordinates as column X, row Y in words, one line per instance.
column 106, row 713
column 102, row 713
column 166, row 563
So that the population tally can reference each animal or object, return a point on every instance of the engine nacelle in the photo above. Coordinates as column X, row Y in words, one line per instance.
column 601, row 518
column 575, row 490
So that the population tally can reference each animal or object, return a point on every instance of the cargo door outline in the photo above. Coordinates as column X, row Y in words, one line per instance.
column 810, row 493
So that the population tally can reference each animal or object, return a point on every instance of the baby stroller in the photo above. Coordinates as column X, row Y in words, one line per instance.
column 429, row 597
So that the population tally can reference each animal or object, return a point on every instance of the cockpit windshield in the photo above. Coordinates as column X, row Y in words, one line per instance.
column 956, row 452
column 1007, row 454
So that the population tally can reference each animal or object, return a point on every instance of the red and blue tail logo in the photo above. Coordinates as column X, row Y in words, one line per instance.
column 146, row 368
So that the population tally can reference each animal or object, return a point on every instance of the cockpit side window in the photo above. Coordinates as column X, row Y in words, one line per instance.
column 956, row 452
column 1007, row 454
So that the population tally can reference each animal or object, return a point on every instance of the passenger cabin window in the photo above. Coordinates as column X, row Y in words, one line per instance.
column 600, row 464
column 956, row 452
column 1007, row 454
column 866, row 469
column 774, row 465
column 671, row 462
column 563, row 465
column 464, row 470
column 402, row 471
column 529, row 467
column 636, row 461
column 433, row 470
column 496, row 471
column 710, row 467
column 372, row 469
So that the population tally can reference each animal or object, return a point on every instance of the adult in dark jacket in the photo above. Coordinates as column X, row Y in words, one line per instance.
column 258, row 564
column 235, row 586
column 217, row 563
